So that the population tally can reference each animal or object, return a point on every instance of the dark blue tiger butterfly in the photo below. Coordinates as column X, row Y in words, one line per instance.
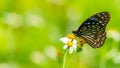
column 93, row 29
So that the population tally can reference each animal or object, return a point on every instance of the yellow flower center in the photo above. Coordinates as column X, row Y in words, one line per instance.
column 69, row 43
column 71, row 36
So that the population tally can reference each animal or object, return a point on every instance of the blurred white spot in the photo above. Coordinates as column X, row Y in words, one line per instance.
column 57, row 2
column 114, row 34
column 51, row 52
column 37, row 57
column 34, row 20
column 4, row 65
column 111, row 54
column 13, row 19
column 8, row 65
column 117, row 58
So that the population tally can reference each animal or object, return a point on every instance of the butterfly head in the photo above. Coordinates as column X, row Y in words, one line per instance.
column 76, row 33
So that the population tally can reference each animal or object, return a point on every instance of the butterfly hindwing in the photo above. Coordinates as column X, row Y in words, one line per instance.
column 93, row 29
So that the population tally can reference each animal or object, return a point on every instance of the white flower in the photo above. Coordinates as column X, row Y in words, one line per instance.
column 114, row 34
column 71, row 43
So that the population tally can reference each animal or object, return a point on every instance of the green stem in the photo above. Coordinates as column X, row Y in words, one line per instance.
column 72, row 58
column 64, row 58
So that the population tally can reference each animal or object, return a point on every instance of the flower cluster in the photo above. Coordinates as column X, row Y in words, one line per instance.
column 71, row 42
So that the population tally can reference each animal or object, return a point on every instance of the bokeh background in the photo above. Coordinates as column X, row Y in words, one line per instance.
column 30, row 31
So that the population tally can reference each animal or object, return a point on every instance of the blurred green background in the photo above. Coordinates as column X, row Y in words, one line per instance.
column 30, row 31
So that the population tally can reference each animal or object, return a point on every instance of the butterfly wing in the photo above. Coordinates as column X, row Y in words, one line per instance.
column 95, row 41
column 93, row 29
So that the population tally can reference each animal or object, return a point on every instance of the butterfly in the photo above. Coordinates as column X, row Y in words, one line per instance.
column 92, row 30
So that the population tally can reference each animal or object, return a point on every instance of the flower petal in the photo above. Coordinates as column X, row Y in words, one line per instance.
column 74, row 42
column 64, row 40
column 74, row 46
column 70, row 50
column 65, row 46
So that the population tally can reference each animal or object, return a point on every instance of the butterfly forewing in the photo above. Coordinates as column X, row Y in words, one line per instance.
column 93, row 29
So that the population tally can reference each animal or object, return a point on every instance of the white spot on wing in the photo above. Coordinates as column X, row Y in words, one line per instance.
column 99, row 15
column 88, row 26
column 100, row 21
column 103, row 13
column 102, row 17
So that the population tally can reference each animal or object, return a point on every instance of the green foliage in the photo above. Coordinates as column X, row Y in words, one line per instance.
column 30, row 31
